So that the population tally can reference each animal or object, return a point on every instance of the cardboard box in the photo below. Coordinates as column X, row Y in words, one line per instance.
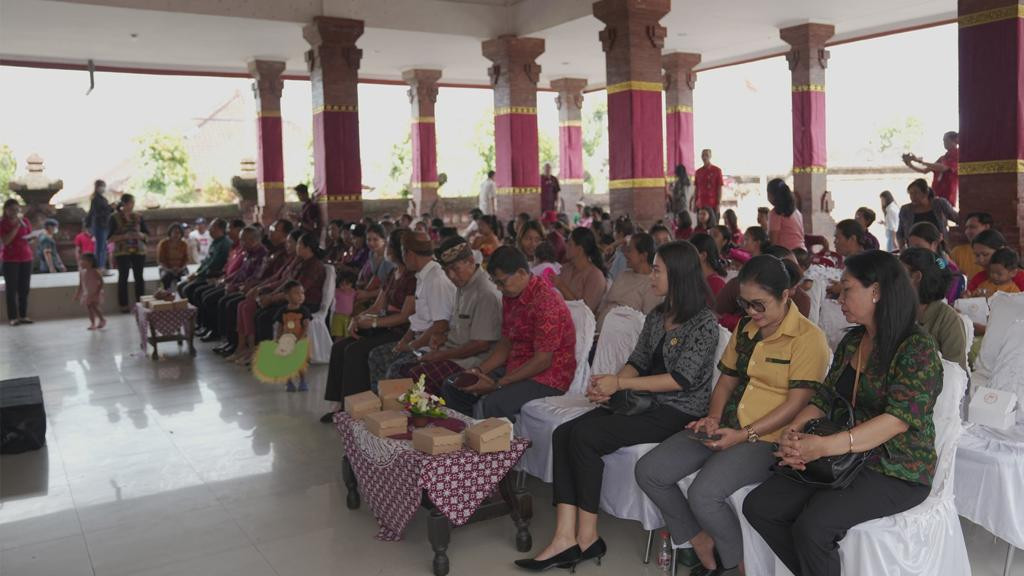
column 168, row 304
column 993, row 408
column 491, row 435
column 359, row 405
column 436, row 440
column 390, row 390
column 387, row 423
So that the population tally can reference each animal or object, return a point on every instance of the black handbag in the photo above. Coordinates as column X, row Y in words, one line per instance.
column 631, row 402
column 835, row 472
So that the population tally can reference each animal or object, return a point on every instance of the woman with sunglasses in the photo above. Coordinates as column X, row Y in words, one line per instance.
column 771, row 366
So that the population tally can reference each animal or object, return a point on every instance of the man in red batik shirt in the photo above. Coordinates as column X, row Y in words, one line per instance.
column 708, row 183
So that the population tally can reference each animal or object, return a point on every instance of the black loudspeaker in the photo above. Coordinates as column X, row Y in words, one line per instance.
column 22, row 416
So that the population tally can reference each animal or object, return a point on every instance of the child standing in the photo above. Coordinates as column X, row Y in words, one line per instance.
column 90, row 290
column 344, row 302
column 1002, row 267
column 293, row 320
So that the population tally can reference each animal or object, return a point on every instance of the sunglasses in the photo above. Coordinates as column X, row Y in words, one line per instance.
column 747, row 305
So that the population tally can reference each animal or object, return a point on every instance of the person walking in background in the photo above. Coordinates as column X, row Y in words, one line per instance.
column 945, row 170
column 199, row 240
column 549, row 189
column 84, row 242
column 891, row 215
column 17, row 260
column 488, row 195
column 98, row 221
column 128, row 232
column 46, row 249
column 90, row 290
column 709, row 184
column 678, row 196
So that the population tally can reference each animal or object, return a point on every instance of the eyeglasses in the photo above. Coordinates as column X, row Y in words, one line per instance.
column 499, row 283
column 747, row 305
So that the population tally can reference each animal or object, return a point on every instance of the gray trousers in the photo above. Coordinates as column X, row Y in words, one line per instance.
column 706, row 507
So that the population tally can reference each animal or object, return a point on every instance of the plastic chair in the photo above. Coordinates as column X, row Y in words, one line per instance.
column 319, row 334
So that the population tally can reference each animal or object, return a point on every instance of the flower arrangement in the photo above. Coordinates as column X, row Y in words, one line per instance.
column 421, row 403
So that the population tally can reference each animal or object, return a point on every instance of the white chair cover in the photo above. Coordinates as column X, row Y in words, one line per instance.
column 833, row 322
column 538, row 419
column 968, row 331
column 319, row 334
column 817, row 296
column 622, row 327
column 1000, row 362
column 990, row 481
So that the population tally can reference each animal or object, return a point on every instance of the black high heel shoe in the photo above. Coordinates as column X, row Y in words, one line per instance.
column 701, row 570
column 595, row 551
column 567, row 558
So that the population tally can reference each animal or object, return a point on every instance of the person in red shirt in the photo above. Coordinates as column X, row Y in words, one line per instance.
column 708, row 182
column 945, row 170
column 16, row 256
column 84, row 243
column 536, row 356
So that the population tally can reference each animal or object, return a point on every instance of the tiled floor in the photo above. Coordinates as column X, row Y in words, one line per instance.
column 189, row 467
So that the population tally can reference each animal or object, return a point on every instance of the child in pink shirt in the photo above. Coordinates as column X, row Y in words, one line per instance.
column 90, row 290
column 344, row 302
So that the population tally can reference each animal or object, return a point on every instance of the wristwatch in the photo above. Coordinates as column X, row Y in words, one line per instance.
column 751, row 435
column 374, row 324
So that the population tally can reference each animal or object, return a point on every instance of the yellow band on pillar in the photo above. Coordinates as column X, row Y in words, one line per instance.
column 320, row 109
column 272, row 185
column 808, row 87
column 636, row 183
column 990, row 16
column 678, row 108
column 817, row 169
column 325, row 199
column 269, row 114
column 570, row 123
column 514, row 110
column 423, row 120
column 518, row 191
column 636, row 86
column 1012, row 166
column 424, row 184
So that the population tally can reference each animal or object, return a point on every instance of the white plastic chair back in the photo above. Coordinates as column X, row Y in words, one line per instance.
column 723, row 341
column 1005, row 309
column 968, row 331
column 319, row 334
column 621, row 330
column 948, row 427
column 816, row 295
column 586, row 326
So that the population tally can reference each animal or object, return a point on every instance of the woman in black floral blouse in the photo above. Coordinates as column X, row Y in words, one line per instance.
column 900, row 377
column 672, row 362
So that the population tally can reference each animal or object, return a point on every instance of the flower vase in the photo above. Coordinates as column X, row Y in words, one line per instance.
column 420, row 420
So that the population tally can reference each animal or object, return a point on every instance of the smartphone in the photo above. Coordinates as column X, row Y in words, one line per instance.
column 702, row 436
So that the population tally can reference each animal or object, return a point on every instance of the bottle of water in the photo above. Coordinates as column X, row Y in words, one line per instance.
column 665, row 553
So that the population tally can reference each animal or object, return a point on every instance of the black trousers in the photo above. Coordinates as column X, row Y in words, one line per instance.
column 349, row 372
column 207, row 309
column 227, row 316
column 578, row 445
column 803, row 525
column 126, row 263
column 186, row 289
column 265, row 322
column 18, row 279
column 195, row 295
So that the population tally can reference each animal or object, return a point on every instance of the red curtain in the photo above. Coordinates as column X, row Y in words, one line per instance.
column 634, row 135
column 992, row 91
column 570, row 152
column 809, row 129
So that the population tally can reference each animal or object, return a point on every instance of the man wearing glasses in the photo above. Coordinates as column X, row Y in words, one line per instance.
column 535, row 356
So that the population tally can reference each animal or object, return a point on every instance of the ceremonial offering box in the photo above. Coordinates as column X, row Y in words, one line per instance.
column 147, row 300
column 436, row 440
column 491, row 435
column 993, row 408
column 359, row 405
column 390, row 390
column 167, row 305
column 387, row 423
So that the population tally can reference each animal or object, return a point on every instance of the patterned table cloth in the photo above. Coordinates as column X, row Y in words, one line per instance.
column 392, row 476
column 165, row 322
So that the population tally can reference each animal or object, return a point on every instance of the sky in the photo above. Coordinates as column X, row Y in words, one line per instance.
column 741, row 112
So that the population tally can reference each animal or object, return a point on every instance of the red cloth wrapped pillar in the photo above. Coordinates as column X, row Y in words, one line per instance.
column 270, row 158
column 992, row 112
column 632, row 41
column 514, row 76
column 423, row 96
column 333, row 73
column 808, row 59
column 570, row 139
column 680, row 80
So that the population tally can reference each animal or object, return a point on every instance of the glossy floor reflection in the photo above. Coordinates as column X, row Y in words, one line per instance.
column 190, row 467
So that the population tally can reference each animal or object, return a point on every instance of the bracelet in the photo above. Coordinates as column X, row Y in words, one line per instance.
column 850, row 432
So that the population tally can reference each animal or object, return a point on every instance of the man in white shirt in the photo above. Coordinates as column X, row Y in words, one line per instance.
column 435, row 299
column 199, row 241
column 489, row 195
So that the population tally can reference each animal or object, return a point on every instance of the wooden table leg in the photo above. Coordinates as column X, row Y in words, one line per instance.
column 349, row 476
column 153, row 341
column 520, row 503
column 439, row 532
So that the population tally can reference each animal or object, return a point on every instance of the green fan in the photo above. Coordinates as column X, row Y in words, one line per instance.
column 277, row 362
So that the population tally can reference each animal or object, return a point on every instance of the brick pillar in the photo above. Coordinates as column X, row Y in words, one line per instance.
column 632, row 41
column 680, row 80
column 570, row 138
column 514, row 76
column 992, row 112
column 333, row 61
column 807, row 61
column 270, row 158
column 423, row 96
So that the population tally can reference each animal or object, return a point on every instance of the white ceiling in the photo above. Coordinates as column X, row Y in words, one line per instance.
column 198, row 35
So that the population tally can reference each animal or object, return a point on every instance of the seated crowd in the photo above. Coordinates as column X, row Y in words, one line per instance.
column 415, row 298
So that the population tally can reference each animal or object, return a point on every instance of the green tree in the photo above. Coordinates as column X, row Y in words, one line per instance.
column 595, row 150
column 898, row 136
column 400, row 166
column 548, row 150
column 164, row 170
column 8, row 164
column 483, row 143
